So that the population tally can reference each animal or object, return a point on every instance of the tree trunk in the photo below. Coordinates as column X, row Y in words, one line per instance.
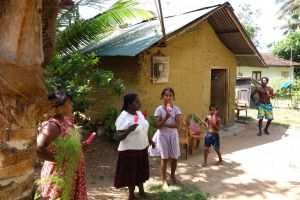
column 22, row 94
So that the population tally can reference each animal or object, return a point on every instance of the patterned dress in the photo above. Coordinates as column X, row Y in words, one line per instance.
column 166, row 139
column 50, row 191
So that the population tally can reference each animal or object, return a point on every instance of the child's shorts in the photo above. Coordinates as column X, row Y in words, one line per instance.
column 265, row 110
column 212, row 139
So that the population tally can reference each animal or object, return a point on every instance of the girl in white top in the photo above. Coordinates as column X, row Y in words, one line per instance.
column 132, row 132
column 167, row 117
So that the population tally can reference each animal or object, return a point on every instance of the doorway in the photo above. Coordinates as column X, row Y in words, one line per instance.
column 219, row 92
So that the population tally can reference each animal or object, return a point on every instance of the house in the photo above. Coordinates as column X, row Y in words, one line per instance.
column 276, row 68
column 197, row 57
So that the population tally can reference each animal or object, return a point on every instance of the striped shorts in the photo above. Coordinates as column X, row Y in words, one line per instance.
column 265, row 110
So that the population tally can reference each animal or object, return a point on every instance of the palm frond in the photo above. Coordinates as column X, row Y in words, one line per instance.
column 289, row 7
column 83, row 32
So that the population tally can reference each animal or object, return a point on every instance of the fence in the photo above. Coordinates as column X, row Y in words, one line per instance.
column 285, row 103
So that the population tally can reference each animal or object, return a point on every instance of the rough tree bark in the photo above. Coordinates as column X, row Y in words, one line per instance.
column 22, row 93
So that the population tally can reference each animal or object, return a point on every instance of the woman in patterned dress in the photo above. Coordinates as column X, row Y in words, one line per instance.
column 49, row 130
column 166, row 137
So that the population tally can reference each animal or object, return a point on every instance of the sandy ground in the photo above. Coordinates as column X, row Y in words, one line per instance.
column 266, row 167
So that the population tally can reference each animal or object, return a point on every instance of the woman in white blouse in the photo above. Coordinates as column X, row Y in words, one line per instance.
column 133, row 164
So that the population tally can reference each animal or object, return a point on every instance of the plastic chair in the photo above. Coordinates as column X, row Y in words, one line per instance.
column 192, row 123
column 184, row 140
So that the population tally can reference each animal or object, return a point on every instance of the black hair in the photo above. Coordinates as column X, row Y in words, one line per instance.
column 128, row 99
column 59, row 97
column 213, row 105
column 265, row 78
column 167, row 89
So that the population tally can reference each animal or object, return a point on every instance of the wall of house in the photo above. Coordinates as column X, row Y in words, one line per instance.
column 192, row 55
column 125, row 68
column 271, row 72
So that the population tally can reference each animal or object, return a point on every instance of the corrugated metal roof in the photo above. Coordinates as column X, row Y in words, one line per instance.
column 135, row 39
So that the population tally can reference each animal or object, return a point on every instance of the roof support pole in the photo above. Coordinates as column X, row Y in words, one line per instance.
column 160, row 13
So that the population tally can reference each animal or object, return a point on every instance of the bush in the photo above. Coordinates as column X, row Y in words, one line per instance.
column 108, row 120
column 80, row 75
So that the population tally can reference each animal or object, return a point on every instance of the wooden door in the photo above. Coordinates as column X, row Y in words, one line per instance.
column 219, row 93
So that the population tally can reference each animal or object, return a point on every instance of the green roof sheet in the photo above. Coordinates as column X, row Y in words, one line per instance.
column 134, row 39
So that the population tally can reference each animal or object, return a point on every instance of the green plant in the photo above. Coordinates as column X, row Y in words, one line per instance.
column 108, row 120
column 152, row 126
column 80, row 75
column 68, row 152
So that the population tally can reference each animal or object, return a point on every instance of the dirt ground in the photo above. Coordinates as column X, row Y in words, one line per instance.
column 266, row 167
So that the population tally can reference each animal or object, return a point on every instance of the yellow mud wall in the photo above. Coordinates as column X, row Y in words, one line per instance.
column 192, row 55
column 125, row 68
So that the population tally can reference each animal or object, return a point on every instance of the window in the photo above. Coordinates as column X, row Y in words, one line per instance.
column 285, row 74
column 256, row 75
column 240, row 74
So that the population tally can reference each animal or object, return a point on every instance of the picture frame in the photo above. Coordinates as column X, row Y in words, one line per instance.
column 160, row 69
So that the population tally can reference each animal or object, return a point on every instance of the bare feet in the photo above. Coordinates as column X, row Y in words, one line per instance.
column 204, row 164
column 266, row 132
column 259, row 134
column 165, row 186
column 175, row 180
column 220, row 162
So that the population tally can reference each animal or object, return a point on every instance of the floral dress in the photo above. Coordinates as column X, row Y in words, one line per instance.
column 51, row 191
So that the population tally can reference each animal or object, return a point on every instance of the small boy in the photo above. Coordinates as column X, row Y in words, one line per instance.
column 213, row 123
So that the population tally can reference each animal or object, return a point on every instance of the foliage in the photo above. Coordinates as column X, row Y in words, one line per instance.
column 183, row 192
column 108, row 120
column 80, row 75
column 152, row 126
column 78, row 33
column 247, row 17
column 68, row 152
column 289, row 48
column 290, row 13
column 281, row 93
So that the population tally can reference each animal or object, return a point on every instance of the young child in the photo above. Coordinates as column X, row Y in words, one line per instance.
column 167, row 117
column 213, row 123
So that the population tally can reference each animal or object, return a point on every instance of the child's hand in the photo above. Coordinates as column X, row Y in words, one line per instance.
column 168, row 115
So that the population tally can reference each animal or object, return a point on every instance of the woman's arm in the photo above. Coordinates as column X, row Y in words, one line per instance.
column 122, row 134
column 151, row 142
column 43, row 141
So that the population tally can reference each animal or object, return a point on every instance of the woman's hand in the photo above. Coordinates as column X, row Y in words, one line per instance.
column 152, row 144
column 132, row 127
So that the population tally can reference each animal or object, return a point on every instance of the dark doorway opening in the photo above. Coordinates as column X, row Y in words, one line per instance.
column 219, row 92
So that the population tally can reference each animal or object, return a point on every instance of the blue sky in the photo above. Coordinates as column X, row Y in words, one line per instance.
column 270, row 31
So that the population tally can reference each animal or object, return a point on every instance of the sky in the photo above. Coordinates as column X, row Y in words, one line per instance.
column 268, row 22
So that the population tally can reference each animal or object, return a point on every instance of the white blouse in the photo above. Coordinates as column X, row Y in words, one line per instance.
column 137, row 139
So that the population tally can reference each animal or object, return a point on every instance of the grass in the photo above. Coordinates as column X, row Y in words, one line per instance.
column 288, row 118
column 182, row 192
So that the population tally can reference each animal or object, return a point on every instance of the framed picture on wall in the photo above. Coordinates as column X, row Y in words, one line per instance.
column 160, row 69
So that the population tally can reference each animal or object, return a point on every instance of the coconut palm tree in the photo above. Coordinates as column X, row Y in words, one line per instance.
column 78, row 32
column 290, row 12
column 27, row 35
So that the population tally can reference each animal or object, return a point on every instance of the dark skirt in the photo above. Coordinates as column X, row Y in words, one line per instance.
column 132, row 168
